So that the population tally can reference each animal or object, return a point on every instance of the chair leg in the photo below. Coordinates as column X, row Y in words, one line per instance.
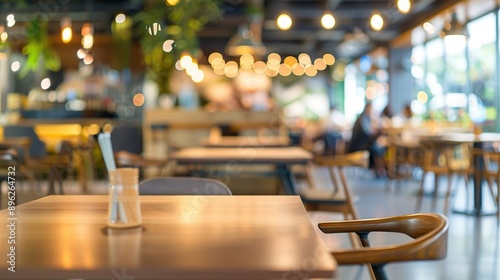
column 379, row 272
column 309, row 169
column 422, row 181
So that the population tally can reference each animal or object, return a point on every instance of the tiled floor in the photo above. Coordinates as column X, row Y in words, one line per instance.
column 473, row 242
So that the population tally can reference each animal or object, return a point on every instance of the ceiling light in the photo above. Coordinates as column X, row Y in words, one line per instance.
column 376, row 21
column 404, row 6
column 284, row 22
column 120, row 18
column 327, row 21
column 454, row 28
column 154, row 28
column 243, row 42
column 66, row 31
column 429, row 27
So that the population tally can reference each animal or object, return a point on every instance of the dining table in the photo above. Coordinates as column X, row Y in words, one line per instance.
column 246, row 141
column 478, row 140
column 180, row 237
column 231, row 158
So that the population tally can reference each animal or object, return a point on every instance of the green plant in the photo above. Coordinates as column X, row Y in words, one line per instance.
column 179, row 23
column 40, row 55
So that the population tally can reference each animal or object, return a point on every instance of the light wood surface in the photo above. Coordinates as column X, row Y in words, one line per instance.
column 182, row 237
column 246, row 141
column 243, row 155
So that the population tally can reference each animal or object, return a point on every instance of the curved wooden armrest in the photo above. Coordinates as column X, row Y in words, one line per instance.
column 358, row 158
column 428, row 230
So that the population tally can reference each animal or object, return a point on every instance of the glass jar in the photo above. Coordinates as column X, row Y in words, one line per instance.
column 124, row 208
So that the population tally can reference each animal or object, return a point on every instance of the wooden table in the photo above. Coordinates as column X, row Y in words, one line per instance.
column 182, row 237
column 477, row 140
column 246, row 141
column 282, row 158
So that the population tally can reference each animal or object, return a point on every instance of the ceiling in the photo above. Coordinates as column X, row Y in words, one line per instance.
column 350, row 38
column 305, row 36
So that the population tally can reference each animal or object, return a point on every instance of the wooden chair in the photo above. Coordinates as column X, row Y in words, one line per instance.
column 128, row 159
column 127, row 144
column 183, row 186
column 340, row 199
column 445, row 158
column 428, row 230
column 491, row 172
column 35, row 158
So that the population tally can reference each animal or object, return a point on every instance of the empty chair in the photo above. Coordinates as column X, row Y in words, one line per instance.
column 183, row 186
column 491, row 172
column 340, row 199
column 128, row 147
column 36, row 160
column 428, row 230
column 445, row 158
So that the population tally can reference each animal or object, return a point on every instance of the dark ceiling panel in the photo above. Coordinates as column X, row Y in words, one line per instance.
column 306, row 35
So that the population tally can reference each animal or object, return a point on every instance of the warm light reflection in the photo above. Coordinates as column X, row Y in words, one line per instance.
column 45, row 84
column 15, row 66
column 81, row 53
column 371, row 93
column 304, row 59
column 320, row 64
column 274, row 58
column 376, row 22
column 231, row 69
column 259, row 67
column 171, row 2
column 404, row 6
column 329, row 59
column 327, row 21
column 215, row 58
column 198, row 76
column 310, row 70
column 67, row 35
column 88, row 41
column 168, row 45
column 429, row 27
column 154, row 28
column 186, row 61
column 422, row 97
column 246, row 61
column 284, row 70
column 298, row 70
column 66, row 31
column 138, row 99
column 284, row 22
column 93, row 129
column 120, row 18
column 291, row 62
column 88, row 58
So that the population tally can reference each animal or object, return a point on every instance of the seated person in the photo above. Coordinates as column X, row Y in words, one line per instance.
column 364, row 137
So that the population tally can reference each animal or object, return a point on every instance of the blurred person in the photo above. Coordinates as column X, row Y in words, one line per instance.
column 333, row 135
column 364, row 137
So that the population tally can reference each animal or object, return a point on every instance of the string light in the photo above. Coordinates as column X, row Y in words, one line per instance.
column 284, row 21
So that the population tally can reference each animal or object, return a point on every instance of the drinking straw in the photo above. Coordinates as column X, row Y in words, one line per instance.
column 107, row 153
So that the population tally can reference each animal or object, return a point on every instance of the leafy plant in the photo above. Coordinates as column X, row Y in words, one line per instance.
column 40, row 55
column 179, row 23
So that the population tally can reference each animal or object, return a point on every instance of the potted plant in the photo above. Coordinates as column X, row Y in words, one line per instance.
column 179, row 23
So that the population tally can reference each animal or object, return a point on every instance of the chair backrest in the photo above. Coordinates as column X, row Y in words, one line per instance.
column 428, row 230
column 127, row 138
column 37, row 147
column 358, row 158
column 183, row 186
